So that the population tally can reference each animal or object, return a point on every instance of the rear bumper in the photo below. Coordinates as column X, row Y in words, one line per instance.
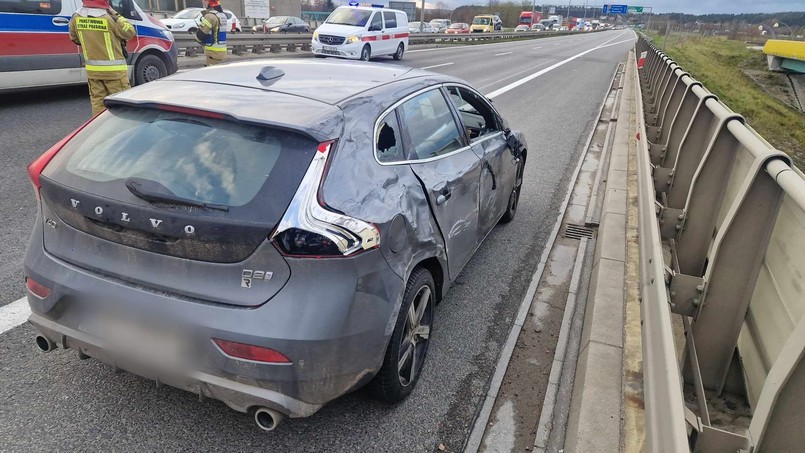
column 237, row 395
column 332, row 319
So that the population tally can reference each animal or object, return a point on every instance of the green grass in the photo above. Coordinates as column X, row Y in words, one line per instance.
column 717, row 63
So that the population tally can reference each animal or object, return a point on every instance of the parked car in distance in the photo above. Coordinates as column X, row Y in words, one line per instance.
column 282, row 24
column 458, row 27
column 441, row 25
column 420, row 27
column 187, row 19
column 362, row 32
column 522, row 27
column 537, row 27
column 304, row 258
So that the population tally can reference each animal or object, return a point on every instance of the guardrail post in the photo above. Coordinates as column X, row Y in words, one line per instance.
column 291, row 47
column 191, row 51
column 731, row 273
column 258, row 49
column 275, row 48
column 239, row 50
column 306, row 46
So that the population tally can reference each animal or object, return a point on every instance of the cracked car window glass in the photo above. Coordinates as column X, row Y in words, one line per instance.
column 389, row 147
column 430, row 125
column 478, row 117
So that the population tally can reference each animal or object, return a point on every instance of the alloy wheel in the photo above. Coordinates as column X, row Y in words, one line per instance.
column 413, row 344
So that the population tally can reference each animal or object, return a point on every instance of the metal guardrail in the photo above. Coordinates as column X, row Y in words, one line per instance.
column 722, row 244
column 262, row 42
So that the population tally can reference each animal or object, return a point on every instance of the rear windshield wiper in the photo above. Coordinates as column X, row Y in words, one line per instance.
column 153, row 191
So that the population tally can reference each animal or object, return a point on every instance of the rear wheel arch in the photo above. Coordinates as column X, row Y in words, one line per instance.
column 437, row 271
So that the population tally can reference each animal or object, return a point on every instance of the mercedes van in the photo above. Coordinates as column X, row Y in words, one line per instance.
column 362, row 32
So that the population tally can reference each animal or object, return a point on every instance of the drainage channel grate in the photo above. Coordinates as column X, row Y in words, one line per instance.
column 578, row 232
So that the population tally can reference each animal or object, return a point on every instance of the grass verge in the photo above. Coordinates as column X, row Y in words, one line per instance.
column 719, row 64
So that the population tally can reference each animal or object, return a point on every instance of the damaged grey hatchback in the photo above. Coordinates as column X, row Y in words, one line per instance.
column 269, row 236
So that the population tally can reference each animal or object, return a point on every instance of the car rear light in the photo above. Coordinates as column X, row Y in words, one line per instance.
column 37, row 289
column 309, row 229
column 36, row 167
column 250, row 352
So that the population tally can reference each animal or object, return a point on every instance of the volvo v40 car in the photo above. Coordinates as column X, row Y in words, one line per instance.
column 275, row 243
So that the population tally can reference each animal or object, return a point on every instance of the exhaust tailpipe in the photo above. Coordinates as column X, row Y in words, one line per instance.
column 268, row 419
column 44, row 344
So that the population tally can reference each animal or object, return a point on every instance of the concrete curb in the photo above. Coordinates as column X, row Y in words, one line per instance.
column 595, row 414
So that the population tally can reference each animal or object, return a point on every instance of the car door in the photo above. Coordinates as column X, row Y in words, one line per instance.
column 448, row 169
column 486, row 134
column 374, row 33
column 391, row 38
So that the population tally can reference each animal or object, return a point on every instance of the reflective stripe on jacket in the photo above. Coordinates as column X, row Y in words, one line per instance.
column 100, row 36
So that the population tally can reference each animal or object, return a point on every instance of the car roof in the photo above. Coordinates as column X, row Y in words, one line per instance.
column 298, row 94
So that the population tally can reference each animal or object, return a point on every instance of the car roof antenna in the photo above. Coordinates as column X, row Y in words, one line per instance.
column 269, row 75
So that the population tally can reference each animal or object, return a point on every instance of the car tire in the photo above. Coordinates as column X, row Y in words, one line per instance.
column 408, row 346
column 320, row 56
column 148, row 69
column 399, row 53
column 514, row 198
column 366, row 53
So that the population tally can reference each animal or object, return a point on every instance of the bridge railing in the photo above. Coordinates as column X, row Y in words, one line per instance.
column 722, row 245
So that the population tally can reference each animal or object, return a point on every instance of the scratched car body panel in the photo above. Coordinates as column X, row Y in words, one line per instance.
column 271, row 212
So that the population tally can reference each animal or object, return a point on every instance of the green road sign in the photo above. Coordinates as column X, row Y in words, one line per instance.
column 635, row 9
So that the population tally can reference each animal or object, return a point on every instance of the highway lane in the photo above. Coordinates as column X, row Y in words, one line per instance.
column 55, row 401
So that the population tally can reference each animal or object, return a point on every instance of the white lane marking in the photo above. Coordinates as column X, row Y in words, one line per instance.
column 533, row 76
column 616, row 43
column 501, row 54
column 14, row 314
column 510, row 76
column 436, row 66
column 538, row 47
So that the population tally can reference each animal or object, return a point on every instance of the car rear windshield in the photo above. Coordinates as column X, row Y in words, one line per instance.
column 205, row 160
column 349, row 16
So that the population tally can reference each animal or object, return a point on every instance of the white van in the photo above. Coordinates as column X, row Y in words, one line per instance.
column 362, row 32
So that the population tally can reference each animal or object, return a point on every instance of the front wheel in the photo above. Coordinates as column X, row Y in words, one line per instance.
column 148, row 69
column 366, row 53
column 405, row 354
column 399, row 53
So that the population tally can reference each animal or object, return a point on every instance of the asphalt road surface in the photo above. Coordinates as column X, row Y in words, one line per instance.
column 548, row 88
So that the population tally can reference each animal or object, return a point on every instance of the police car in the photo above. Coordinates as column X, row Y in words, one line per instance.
column 361, row 32
column 36, row 51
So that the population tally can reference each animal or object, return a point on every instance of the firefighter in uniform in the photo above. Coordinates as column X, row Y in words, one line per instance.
column 211, row 32
column 99, row 30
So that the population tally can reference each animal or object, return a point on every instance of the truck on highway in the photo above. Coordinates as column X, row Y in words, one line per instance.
column 529, row 18
column 36, row 51
column 551, row 21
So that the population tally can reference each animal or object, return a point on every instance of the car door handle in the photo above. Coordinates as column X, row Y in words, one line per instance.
column 443, row 197
column 62, row 21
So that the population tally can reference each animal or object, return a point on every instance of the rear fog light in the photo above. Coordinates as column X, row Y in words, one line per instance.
column 37, row 289
column 250, row 352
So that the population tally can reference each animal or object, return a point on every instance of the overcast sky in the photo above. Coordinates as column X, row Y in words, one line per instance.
column 681, row 6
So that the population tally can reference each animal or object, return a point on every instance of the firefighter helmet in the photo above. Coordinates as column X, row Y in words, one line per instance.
column 214, row 3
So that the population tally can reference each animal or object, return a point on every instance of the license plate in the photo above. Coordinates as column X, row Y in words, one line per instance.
column 330, row 49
